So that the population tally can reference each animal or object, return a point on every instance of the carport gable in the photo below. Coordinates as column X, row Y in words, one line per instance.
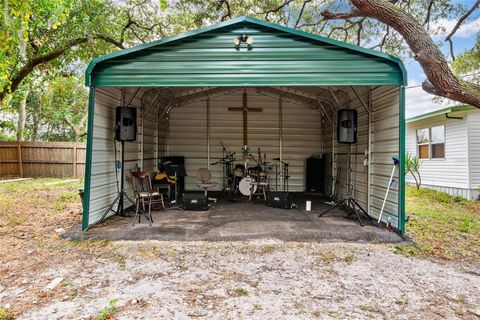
column 278, row 56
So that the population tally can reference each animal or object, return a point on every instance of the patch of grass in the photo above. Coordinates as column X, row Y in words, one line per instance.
column 6, row 314
column 407, row 250
column 240, row 292
column 27, row 200
column 328, row 256
column 466, row 224
column 441, row 225
column 69, row 197
column 58, row 206
column 109, row 311
column 16, row 220
column 350, row 257
column 267, row 248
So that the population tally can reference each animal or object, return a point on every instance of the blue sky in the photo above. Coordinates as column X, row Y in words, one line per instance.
column 418, row 101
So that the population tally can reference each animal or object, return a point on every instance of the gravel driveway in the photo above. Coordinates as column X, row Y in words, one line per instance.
column 247, row 280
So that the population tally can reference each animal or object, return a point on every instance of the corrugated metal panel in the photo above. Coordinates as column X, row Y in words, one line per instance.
column 188, row 134
column 277, row 57
column 473, row 119
column 385, row 145
column 452, row 171
column 103, row 181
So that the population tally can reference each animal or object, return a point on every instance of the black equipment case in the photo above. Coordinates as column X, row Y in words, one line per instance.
column 194, row 201
column 280, row 199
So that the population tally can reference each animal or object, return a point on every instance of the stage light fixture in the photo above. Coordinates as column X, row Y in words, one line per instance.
column 243, row 38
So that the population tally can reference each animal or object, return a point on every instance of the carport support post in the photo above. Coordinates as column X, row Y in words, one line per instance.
column 88, row 159
column 208, row 133
column 401, row 178
column 141, row 132
column 156, row 136
column 369, row 154
column 280, row 133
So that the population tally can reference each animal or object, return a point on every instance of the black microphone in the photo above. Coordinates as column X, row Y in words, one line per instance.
column 276, row 159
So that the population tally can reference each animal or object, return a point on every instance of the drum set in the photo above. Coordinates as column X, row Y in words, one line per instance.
column 247, row 174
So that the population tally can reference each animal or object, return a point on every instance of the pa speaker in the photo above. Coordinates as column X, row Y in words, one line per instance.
column 347, row 126
column 315, row 175
column 125, row 124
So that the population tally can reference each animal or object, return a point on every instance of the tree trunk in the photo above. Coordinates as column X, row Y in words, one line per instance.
column 440, row 79
column 426, row 52
column 22, row 117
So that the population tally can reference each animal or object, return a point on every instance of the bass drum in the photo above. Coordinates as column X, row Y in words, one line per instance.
column 245, row 185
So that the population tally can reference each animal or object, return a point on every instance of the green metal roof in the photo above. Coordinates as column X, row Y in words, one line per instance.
column 279, row 56
column 463, row 107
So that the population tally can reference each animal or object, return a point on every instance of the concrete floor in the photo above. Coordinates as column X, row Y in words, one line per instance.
column 240, row 221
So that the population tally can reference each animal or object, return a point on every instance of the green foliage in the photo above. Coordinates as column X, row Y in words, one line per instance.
column 6, row 314
column 469, row 61
column 240, row 292
column 109, row 311
column 7, row 130
column 412, row 166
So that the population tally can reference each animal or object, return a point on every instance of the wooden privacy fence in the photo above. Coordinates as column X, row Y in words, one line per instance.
column 42, row 159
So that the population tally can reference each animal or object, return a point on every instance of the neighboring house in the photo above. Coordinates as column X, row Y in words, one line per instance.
column 447, row 141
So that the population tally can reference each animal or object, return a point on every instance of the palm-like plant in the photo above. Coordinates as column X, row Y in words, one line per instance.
column 412, row 166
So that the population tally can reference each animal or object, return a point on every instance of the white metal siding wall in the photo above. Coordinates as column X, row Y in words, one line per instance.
column 357, row 150
column 473, row 119
column 149, row 147
column 103, row 188
column 451, row 172
column 385, row 145
column 188, row 134
column 188, row 138
column 301, row 138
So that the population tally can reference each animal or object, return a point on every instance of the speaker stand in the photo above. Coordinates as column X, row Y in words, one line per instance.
column 349, row 202
column 122, row 195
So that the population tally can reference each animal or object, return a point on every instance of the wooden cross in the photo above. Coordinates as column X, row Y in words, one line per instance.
column 245, row 109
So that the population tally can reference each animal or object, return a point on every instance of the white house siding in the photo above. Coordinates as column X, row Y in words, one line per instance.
column 473, row 119
column 451, row 174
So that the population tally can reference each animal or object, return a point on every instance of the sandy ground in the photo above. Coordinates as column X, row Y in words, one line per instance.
column 264, row 279
column 43, row 276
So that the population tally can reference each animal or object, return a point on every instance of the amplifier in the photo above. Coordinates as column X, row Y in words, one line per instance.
column 194, row 201
column 280, row 199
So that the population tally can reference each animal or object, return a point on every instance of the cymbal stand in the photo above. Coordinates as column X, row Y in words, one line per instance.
column 283, row 174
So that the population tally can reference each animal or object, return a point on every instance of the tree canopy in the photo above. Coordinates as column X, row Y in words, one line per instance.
column 46, row 44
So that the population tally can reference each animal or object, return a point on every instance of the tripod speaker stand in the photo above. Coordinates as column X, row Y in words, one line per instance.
column 125, row 130
column 353, row 208
column 122, row 194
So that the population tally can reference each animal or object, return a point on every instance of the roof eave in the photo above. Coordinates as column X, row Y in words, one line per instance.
column 428, row 115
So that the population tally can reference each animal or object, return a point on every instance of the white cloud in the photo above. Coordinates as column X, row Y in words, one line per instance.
column 443, row 27
column 418, row 101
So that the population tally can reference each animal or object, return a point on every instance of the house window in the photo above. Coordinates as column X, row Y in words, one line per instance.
column 423, row 139
column 438, row 142
column 431, row 142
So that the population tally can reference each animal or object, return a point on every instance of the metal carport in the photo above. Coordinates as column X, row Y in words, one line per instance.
column 185, row 81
